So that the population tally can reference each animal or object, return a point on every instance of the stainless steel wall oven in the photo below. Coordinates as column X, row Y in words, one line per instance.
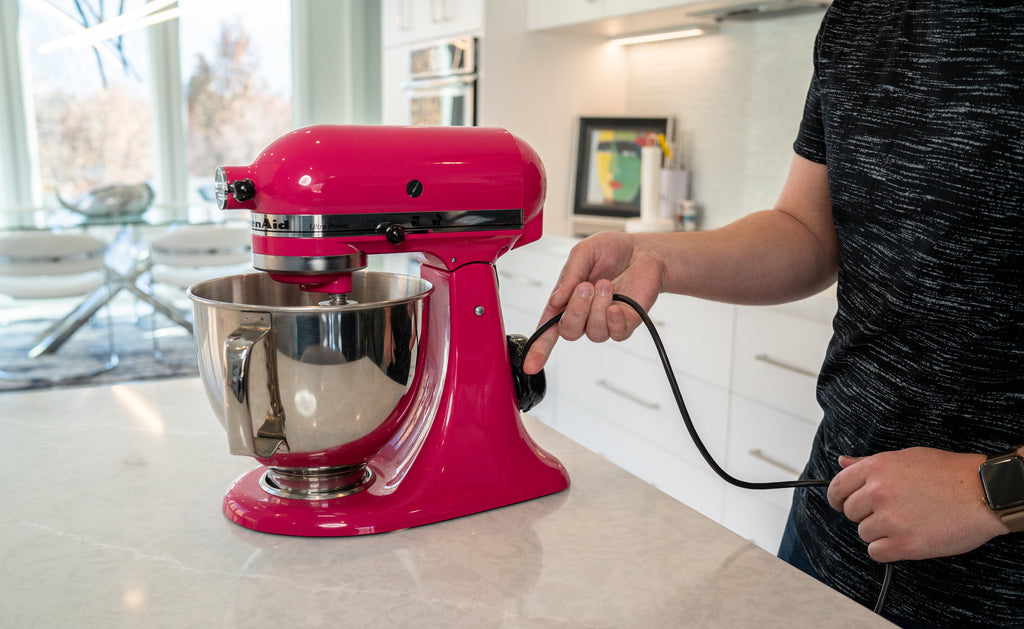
column 441, row 85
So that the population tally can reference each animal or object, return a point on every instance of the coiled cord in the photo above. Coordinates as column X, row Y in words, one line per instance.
column 705, row 454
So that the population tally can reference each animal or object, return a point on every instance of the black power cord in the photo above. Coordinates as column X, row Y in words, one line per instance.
column 705, row 454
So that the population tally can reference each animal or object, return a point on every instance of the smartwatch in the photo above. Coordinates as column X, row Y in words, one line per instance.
column 1002, row 478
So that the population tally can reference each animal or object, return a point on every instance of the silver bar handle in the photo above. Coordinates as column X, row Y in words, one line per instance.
column 765, row 358
column 402, row 17
column 759, row 454
column 607, row 386
column 238, row 382
column 439, row 11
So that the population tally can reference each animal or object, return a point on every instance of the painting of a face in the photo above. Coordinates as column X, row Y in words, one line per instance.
column 608, row 165
column 616, row 167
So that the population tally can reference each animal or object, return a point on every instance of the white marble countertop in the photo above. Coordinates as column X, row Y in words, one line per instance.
column 111, row 517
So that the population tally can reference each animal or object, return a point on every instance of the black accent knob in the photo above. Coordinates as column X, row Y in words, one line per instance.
column 414, row 188
column 242, row 189
column 394, row 233
column 530, row 388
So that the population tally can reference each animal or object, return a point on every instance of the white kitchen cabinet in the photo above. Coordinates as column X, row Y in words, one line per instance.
column 691, row 484
column 746, row 513
column 525, row 279
column 766, row 445
column 608, row 17
column 407, row 21
column 625, row 7
column 774, row 412
column 541, row 14
column 697, row 335
column 612, row 18
column 777, row 358
column 747, row 376
column 634, row 394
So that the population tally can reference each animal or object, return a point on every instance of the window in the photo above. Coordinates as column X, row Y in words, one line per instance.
column 92, row 103
column 113, row 110
column 236, row 64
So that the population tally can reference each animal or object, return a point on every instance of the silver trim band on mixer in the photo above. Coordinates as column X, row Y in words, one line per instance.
column 342, row 225
column 318, row 483
column 309, row 265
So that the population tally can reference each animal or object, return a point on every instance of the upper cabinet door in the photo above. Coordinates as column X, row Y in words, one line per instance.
column 626, row 7
column 408, row 21
column 541, row 14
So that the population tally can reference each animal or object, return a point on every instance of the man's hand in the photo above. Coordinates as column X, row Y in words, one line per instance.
column 916, row 503
column 598, row 267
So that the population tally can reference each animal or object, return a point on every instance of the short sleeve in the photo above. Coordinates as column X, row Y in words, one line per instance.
column 810, row 140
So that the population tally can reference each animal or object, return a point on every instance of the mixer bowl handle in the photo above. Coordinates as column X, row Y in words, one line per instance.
column 239, row 347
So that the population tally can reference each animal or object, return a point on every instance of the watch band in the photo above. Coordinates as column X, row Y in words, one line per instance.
column 1014, row 521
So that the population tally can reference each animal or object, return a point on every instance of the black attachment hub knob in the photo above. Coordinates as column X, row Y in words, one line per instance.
column 530, row 388
column 243, row 189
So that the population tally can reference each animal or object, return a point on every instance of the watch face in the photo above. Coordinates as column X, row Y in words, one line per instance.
column 1003, row 480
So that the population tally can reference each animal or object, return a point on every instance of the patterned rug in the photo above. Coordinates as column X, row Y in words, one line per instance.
column 147, row 348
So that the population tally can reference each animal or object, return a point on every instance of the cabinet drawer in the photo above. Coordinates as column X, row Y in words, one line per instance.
column 634, row 394
column 697, row 335
column 525, row 282
column 766, row 446
column 777, row 359
column 745, row 513
column 694, row 486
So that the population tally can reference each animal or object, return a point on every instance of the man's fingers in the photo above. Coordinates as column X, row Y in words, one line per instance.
column 540, row 351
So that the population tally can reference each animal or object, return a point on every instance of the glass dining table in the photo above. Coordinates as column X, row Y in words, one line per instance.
column 127, row 257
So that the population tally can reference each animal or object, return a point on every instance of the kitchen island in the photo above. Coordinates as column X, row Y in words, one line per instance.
column 111, row 517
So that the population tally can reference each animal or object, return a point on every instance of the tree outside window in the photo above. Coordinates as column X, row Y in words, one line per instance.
column 93, row 104
column 237, row 57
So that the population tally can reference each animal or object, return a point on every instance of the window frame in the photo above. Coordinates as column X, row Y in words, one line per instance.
column 20, row 181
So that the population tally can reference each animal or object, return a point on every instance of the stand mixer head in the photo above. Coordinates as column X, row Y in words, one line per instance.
column 323, row 197
column 298, row 363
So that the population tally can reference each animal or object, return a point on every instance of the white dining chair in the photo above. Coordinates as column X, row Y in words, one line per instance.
column 190, row 254
column 43, row 276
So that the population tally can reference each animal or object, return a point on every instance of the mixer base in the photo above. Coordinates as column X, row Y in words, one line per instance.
column 248, row 504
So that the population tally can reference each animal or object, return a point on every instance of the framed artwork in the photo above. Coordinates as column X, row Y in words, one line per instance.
column 608, row 164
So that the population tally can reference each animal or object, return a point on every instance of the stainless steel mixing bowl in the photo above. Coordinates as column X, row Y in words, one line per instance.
column 307, row 386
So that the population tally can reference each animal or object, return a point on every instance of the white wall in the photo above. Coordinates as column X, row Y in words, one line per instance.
column 336, row 65
column 537, row 83
column 737, row 96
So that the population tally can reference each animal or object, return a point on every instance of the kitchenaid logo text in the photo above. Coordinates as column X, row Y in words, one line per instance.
column 271, row 224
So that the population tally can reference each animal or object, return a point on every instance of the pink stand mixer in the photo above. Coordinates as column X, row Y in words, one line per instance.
column 375, row 401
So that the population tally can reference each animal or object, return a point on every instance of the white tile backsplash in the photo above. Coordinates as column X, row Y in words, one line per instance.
column 737, row 96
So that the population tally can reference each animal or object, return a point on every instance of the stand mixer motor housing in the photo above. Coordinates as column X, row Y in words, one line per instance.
column 321, row 199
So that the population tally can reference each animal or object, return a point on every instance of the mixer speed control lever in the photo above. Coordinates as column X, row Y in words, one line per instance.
column 393, row 232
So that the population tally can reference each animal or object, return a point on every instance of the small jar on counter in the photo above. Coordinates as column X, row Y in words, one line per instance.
column 686, row 216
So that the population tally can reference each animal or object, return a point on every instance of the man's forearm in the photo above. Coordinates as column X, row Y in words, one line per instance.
column 765, row 258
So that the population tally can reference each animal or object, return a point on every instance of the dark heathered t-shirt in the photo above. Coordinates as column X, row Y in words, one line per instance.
column 917, row 108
